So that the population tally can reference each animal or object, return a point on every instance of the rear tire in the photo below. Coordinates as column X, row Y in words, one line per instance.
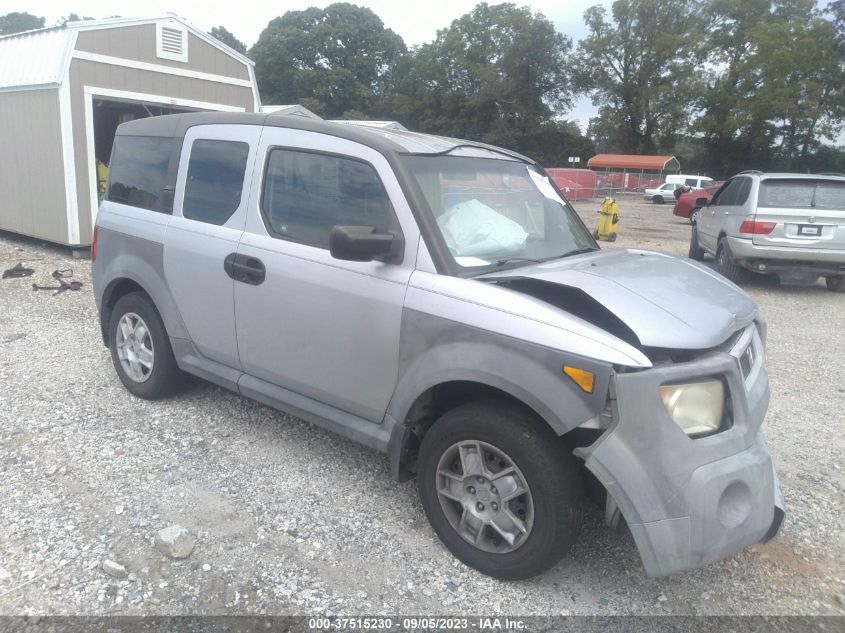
column 140, row 349
column 725, row 264
column 693, row 217
column 835, row 284
column 695, row 250
column 460, row 459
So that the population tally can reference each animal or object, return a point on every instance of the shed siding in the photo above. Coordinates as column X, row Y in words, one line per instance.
column 139, row 43
column 33, row 201
column 85, row 73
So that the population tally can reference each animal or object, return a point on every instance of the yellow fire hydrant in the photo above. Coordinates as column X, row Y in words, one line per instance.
column 608, row 219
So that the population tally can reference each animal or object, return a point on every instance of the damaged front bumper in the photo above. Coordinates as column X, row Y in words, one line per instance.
column 689, row 502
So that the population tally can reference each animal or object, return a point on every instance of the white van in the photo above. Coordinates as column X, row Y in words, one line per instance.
column 696, row 182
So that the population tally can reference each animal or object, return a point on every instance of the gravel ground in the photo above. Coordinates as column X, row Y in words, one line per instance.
column 290, row 519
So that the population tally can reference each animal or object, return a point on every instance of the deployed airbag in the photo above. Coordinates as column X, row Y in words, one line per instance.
column 472, row 228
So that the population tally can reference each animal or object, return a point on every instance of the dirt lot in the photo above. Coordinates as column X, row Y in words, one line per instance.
column 291, row 519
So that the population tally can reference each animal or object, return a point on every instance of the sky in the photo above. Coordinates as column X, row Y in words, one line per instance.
column 417, row 22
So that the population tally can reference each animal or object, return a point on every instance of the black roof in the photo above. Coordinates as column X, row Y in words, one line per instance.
column 383, row 140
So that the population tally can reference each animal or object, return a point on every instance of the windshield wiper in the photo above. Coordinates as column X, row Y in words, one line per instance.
column 577, row 251
column 508, row 260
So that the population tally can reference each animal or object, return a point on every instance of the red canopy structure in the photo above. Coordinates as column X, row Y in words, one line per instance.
column 631, row 172
column 634, row 162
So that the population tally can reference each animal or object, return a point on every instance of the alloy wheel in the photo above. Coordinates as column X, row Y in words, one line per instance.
column 485, row 496
column 135, row 347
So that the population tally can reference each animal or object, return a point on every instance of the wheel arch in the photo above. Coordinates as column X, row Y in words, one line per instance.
column 438, row 398
column 124, row 284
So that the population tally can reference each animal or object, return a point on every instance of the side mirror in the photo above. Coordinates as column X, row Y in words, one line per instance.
column 701, row 202
column 363, row 244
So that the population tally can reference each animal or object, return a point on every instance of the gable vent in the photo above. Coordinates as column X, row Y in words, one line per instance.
column 172, row 42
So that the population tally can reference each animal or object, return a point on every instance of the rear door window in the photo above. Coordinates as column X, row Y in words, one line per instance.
column 215, row 180
column 138, row 171
column 307, row 193
column 727, row 196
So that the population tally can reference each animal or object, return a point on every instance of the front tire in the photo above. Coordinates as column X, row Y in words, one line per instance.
column 500, row 489
column 693, row 217
column 658, row 200
column 140, row 349
column 725, row 264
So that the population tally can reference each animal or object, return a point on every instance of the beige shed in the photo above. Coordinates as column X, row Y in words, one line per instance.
column 64, row 91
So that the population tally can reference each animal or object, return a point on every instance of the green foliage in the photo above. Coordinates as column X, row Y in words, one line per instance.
column 330, row 60
column 497, row 74
column 638, row 70
column 779, row 90
column 18, row 22
column 225, row 36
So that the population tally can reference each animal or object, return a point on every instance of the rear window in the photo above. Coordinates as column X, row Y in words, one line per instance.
column 138, row 171
column 802, row 194
column 215, row 180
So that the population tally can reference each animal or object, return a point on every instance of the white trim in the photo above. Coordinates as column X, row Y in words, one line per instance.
column 28, row 87
column 158, row 68
column 90, row 151
column 256, row 99
column 67, row 57
column 177, row 27
column 69, row 163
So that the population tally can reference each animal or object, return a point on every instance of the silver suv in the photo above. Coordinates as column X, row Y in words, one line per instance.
column 440, row 301
column 790, row 225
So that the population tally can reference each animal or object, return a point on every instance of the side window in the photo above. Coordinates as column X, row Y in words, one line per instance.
column 215, row 180
column 306, row 194
column 692, row 182
column 727, row 194
column 138, row 170
column 744, row 191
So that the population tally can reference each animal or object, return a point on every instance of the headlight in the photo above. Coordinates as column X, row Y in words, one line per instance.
column 697, row 407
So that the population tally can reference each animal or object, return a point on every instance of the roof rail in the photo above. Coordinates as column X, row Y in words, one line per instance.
column 830, row 173
column 750, row 171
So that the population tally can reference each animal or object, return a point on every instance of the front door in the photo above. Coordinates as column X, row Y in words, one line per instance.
column 209, row 212
column 321, row 327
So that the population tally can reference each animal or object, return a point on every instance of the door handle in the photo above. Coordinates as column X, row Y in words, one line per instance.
column 243, row 268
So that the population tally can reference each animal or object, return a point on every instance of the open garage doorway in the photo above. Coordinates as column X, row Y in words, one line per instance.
column 105, row 109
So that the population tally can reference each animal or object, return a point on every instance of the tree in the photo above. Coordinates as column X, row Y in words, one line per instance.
column 223, row 34
column 18, row 22
column 331, row 60
column 497, row 74
column 776, row 87
column 639, row 70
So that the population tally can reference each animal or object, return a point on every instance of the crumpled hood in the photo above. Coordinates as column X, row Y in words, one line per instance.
column 666, row 301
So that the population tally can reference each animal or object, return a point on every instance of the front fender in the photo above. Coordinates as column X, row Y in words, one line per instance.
column 436, row 350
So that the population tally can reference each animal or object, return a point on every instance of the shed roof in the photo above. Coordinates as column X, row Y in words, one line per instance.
column 389, row 125
column 39, row 57
column 634, row 161
column 33, row 58
column 290, row 110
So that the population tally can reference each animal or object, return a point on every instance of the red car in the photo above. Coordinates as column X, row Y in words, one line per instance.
column 686, row 206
